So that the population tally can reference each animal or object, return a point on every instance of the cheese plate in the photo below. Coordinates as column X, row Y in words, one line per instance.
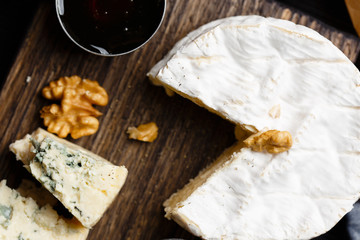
column 188, row 137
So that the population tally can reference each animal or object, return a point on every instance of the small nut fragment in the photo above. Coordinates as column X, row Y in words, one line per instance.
column 272, row 141
column 145, row 132
column 76, row 115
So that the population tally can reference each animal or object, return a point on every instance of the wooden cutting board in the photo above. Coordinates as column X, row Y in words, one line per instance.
column 189, row 137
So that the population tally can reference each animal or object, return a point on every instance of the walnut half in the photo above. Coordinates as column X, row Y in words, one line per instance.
column 75, row 115
column 272, row 141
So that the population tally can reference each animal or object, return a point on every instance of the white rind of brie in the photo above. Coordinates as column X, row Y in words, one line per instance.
column 264, row 73
column 85, row 183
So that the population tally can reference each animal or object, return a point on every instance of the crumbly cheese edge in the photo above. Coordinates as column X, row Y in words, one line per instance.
column 73, row 227
column 23, row 150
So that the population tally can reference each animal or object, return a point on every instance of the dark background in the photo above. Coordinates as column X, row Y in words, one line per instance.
column 16, row 16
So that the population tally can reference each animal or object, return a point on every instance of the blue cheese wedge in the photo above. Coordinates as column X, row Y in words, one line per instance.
column 269, row 74
column 75, row 176
column 23, row 218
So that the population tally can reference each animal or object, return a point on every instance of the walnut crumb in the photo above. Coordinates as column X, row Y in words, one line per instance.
column 272, row 141
column 145, row 132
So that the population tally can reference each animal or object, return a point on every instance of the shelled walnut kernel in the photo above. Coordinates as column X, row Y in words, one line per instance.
column 75, row 115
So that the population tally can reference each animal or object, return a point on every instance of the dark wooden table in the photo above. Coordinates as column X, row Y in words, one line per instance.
column 16, row 18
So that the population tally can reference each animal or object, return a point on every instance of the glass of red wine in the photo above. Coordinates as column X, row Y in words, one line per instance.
column 110, row 27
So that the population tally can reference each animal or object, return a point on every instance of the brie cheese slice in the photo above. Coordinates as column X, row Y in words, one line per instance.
column 23, row 218
column 85, row 183
column 265, row 73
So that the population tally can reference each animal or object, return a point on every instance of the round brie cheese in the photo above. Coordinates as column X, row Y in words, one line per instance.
column 265, row 73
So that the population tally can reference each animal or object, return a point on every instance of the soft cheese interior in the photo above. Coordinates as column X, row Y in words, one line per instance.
column 251, row 195
column 23, row 218
column 264, row 73
column 85, row 183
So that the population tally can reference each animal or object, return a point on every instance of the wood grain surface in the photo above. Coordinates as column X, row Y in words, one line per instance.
column 189, row 137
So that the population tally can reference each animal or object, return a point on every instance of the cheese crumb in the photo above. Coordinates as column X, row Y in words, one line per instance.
column 28, row 79
column 275, row 111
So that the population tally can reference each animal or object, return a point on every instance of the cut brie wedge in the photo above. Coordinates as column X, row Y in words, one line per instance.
column 262, row 74
column 85, row 183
